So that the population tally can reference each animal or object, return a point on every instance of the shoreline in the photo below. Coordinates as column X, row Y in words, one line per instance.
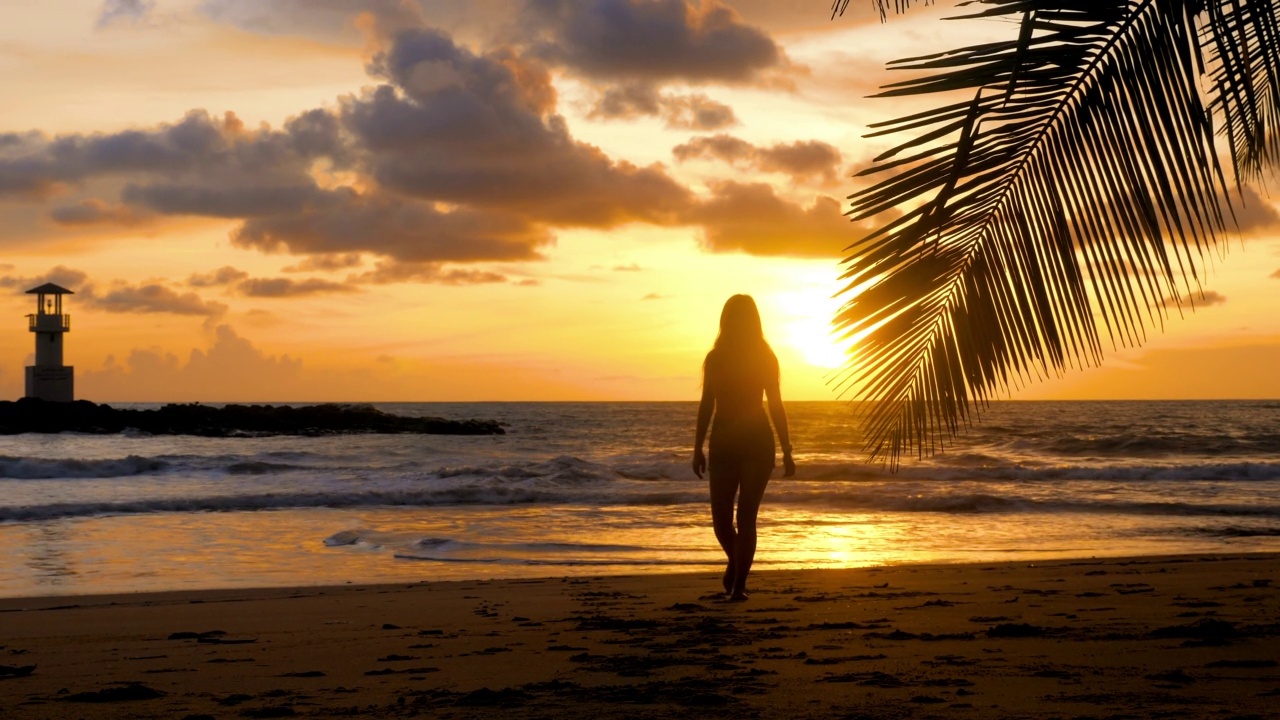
column 1054, row 638
column 236, row 593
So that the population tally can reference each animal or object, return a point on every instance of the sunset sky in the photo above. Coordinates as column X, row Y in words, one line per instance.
column 479, row 199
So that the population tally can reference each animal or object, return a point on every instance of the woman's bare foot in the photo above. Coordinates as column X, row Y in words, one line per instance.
column 738, row 596
column 727, row 580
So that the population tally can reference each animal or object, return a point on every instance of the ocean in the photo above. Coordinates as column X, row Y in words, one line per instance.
column 606, row 488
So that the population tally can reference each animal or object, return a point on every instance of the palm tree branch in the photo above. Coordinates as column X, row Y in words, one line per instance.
column 1245, row 72
column 883, row 6
column 1098, row 148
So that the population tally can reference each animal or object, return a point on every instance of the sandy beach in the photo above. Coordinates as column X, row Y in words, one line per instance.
column 1189, row 636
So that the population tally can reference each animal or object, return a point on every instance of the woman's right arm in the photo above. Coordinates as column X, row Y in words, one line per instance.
column 705, row 407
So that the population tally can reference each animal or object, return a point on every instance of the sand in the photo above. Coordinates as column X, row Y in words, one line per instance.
column 1176, row 637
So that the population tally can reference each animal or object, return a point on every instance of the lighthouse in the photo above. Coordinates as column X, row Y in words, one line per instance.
column 49, row 379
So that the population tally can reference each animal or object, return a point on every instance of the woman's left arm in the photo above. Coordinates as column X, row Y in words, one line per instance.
column 779, row 415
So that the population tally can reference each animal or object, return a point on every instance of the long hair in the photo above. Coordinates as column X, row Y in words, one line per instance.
column 741, row 343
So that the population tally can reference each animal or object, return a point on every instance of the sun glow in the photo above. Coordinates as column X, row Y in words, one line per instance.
column 807, row 314
column 813, row 338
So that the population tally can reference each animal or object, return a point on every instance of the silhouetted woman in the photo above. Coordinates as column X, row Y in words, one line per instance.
column 740, row 368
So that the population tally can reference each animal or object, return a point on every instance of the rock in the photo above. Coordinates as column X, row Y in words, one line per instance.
column 31, row 415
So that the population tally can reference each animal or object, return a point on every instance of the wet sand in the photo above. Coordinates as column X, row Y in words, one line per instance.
column 1175, row 637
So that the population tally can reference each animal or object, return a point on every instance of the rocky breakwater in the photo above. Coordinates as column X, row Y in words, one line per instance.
column 30, row 415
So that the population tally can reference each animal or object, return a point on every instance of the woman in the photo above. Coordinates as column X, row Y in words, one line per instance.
column 740, row 368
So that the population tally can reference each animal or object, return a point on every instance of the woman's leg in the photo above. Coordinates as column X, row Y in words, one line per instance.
column 754, row 480
column 724, row 486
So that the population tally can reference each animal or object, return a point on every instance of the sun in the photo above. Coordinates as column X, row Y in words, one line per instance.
column 806, row 314
column 813, row 339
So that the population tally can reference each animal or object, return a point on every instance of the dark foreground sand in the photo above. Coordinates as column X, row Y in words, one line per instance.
column 1187, row 637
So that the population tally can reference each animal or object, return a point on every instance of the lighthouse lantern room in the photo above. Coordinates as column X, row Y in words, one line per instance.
column 49, row 379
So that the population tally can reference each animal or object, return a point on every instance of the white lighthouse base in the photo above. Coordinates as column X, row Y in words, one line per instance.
column 51, row 383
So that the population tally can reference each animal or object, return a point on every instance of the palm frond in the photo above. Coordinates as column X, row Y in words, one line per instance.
column 882, row 6
column 1051, row 212
column 1244, row 37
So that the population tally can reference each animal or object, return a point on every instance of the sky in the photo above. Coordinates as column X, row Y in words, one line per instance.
column 418, row 200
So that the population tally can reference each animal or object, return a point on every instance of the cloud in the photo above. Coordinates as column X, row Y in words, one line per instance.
column 150, row 298
column 132, row 11
column 1207, row 298
column 803, row 160
column 627, row 101
column 68, row 278
column 230, row 369
column 327, row 262
column 685, row 112
column 96, row 212
column 341, row 221
column 696, row 112
column 35, row 165
column 222, row 201
column 1254, row 213
column 750, row 218
column 398, row 272
column 651, row 40
column 633, row 267
column 475, row 130
column 239, row 282
column 224, row 275
column 1275, row 274
column 326, row 19
column 457, row 157
column 288, row 287
column 120, row 296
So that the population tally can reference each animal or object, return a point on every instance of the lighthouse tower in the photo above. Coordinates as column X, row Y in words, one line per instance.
column 49, row 379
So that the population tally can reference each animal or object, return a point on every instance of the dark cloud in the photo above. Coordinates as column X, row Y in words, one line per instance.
column 750, row 218
column 473, row 130
column 803, row 160
column 26, row 170
column 225, row 275
column 327, row 263
column 457, row 157
column 96, row 212
column 223, row 201
column 289, row 288
column 328, row 19
column 68, row 278
column 627, row 101
column 119, row 296
column 1255, row 214
column 685, row 112
column 239, row 282
column 341, row 221
column 696, row 112
column 133, row 11
column 150, row 298
column 198, row 146
column 399, row 272
column 651, row 40
column 1207, row 298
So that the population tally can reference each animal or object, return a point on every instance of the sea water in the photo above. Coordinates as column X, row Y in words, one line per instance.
column 600, row 488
